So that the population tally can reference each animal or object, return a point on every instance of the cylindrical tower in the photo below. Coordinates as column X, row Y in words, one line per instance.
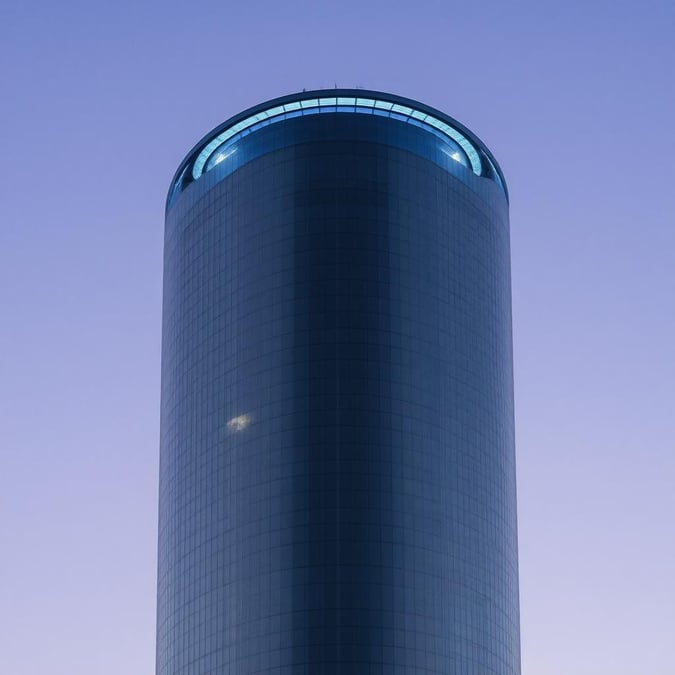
column 337, row 475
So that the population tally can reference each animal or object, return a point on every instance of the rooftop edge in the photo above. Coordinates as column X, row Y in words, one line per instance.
column 200, row 153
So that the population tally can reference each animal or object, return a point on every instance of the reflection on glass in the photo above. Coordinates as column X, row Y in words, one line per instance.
column 219, row 157
column 239, row 423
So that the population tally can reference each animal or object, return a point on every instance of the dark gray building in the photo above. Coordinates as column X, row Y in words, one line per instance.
column 337, row 481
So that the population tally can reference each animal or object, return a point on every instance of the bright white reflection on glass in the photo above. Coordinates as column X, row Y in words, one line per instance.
column 453, row 154
column 348, row 104
column 239, row 423
column 219, row 157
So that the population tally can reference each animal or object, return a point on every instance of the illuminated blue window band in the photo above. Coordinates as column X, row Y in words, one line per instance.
column 225, row 149
column 455, row 146
column 211, row 155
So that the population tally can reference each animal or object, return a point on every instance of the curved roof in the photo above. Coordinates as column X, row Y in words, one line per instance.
column 465, row 146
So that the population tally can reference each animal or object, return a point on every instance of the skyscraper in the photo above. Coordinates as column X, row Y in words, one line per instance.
column 337, row 473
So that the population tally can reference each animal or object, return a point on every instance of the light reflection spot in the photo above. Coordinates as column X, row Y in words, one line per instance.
column 239, row 423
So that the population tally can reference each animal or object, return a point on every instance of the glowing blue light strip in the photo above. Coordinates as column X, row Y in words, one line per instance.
column 496, row 175
column 348, row 104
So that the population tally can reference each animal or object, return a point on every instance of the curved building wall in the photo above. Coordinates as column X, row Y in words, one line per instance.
column 337, row 481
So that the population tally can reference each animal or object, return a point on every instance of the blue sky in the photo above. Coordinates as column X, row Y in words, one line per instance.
column 100, row 102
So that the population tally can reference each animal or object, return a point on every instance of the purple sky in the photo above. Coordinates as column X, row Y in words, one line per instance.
column 99, row 103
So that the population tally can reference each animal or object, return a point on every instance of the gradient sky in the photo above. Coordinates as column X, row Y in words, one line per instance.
column 99, row 103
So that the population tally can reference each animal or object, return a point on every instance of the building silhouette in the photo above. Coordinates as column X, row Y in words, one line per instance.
column 337, row 473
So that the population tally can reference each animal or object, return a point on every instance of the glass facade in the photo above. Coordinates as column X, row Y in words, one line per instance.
column 337, row 470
